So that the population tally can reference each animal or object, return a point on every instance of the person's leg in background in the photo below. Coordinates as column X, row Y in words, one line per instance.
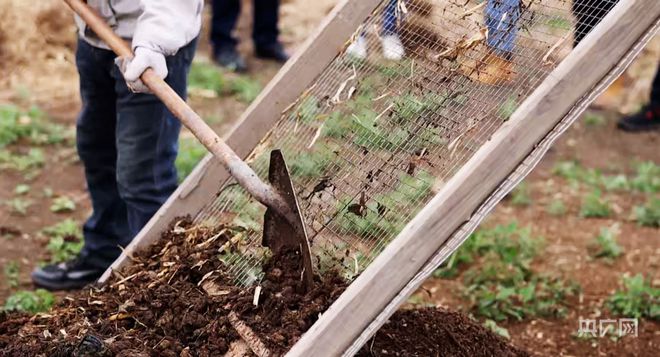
column 501, row 17
column 391, row 42
column 265, row 31
column 648, row 118
column 147, row 142
column 108, row 225
column 223, row 22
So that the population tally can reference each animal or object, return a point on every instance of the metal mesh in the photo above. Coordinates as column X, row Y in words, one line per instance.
column 373, row 138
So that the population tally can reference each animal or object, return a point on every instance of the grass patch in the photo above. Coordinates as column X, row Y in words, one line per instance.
column 191, row 152
column 22, row 189
column 12, row 271
column 637, row 299
column 31, row 125
column 65, row 240
column 593, row 119
column 647, row 179
column 556, row 208
column 595, row 206
column 32, row 302
column 507, row 108
column 19, row 206
column 312, row 164
column 207, row 77
column 649, row 214
column 605, row 246
column 245, row 89
column 560, row 23
column 63, row 204
column 521, row 195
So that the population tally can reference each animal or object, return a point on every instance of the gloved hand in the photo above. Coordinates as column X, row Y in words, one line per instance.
column 132, row 68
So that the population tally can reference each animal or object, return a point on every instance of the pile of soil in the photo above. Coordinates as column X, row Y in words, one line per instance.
column 436, row 332
column 176, row 300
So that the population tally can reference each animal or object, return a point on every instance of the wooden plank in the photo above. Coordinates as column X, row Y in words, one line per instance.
column 463, row 194
column 294, row 77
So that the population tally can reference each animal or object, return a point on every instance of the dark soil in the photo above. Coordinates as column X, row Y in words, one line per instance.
column 175, row 301
column 436, row 332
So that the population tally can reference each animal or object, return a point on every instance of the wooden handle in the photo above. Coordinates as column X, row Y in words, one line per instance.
column 243, row 173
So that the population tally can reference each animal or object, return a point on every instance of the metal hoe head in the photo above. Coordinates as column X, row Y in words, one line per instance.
column 279, row 233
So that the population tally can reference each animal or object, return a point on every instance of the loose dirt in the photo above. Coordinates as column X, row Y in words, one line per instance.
column 174, row 300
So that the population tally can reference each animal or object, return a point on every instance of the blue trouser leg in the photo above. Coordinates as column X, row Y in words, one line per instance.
column 502, row 21
column 266, row 17
column 128, row 144
column 223, row 22
column 390, row 19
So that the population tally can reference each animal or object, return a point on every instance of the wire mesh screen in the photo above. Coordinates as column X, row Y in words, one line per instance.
column 419, row 88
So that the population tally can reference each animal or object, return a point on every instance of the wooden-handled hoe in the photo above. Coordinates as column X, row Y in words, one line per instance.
column 284, row 227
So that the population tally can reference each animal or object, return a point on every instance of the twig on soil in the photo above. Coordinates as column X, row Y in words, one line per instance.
column 553, row 48
column 472, row 10
column 249, row 336
column 317, row 135
column 257, row 294
column 125, row 279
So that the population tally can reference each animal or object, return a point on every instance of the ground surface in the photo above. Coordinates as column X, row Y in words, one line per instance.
column 567, row 236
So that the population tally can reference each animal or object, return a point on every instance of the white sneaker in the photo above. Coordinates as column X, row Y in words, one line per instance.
column 392, row 47
column 358, row 49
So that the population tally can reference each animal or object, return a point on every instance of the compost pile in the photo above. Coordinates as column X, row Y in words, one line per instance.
column 175, row 300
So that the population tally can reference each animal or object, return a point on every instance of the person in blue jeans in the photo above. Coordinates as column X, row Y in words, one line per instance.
column 264, row 33
column 389, row 37
column 126, row 139
column 503, row 15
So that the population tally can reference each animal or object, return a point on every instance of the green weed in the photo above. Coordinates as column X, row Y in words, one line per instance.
column 30, row 301
column 369, row 133
column 308, row 110
column 65, row 240
column 595, row 206
column 507, row 108
column 12, row 271
column 26, row 163
column 62, row 204
column 246, row 89
column 16, row 124
column 606, row 245
column 206, row 77
column 556, row 208
column 647, row 179
column 312, row 164
column 648, row 215
column 22, row 189
column 592, row 119
column 521, row 195
column 570, row 170
column 191, row 152
column 560, row 23
column 410, row 107
column 492, row 325
column 637, row 299
column 19, row 206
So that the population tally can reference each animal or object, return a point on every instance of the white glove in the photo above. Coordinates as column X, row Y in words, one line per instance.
column 132, row 68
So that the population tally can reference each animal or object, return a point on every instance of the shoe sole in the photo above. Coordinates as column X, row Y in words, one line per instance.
column 51, row 286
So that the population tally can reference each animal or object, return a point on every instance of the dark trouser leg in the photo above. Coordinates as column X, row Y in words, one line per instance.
column 223, row 22
column 108, row 226
column 588, row 14
column 389, row 19
column 266, row 16
column 655, row 89
column 147, row 135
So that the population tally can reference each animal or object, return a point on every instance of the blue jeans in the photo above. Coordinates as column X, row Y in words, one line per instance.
column 128, row 143
column 390, row 19
column 501, row 19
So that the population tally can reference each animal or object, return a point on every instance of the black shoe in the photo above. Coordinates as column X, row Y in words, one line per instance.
column 645, row 120
column 230, row 59
column 74, row 274
column 273, row 52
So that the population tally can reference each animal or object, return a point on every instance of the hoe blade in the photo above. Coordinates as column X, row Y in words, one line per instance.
column 279, row 234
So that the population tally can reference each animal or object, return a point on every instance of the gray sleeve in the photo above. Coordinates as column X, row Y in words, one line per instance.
column 167, row 25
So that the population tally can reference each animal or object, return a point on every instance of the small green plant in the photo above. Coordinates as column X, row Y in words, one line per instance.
column 556, row 208
column 65, row 240
column 507, row 109
column 19, row 206
column 246, row 89
column 560, row 23
column 605, row 245
column 12, row 271
column 521, row 195
column 570, row 170
column 647, row 179
column 206, row 77
column 592, row 119
column 595, row 206
column 308, row 110
column 190, row 154
column 615, row 183
column 17, row 124
column 312, row 164
column 22, row 189
column 63, row 204
column 25, row 163
column 492, row 325
column 637, row 299
column 370, row 134
column 648, row 215
column 30, row 301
